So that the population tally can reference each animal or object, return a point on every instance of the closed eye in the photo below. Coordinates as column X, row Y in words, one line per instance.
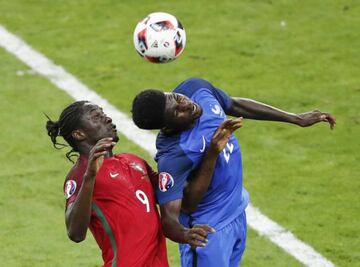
column 98, row 115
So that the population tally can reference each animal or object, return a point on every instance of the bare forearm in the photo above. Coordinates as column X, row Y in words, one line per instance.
column 173, row 229
column 170, row 221
column 251, row 109
column 199, row 183
column 78, row 216
column 195, row 236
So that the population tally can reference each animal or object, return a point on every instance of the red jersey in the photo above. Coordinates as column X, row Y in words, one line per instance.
column 124, row 220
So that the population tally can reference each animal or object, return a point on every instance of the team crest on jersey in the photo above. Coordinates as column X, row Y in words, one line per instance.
column 70, row 188
column 166, row 181
column 137, row 167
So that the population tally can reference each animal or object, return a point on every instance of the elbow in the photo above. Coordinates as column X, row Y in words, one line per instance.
column 188, row 208
column 165, row 226
column 191, row 200
column 77, row 238
column 191, row 209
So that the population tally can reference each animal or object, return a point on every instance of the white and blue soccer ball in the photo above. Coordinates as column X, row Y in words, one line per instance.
column 159, row 37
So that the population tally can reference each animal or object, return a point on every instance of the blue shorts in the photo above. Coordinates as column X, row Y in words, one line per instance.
column 224, row 249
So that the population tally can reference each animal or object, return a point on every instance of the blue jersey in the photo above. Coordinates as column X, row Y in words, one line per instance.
column 178, row 155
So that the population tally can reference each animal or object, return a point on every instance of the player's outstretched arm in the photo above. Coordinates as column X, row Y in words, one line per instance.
column 174, row 230
column 199, row 182
column 77, row 215
column 251, row 109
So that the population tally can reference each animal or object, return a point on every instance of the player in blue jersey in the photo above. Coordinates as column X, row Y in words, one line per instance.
column 188, row 118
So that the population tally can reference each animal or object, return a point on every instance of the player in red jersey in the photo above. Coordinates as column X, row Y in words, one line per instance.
column 113, row 195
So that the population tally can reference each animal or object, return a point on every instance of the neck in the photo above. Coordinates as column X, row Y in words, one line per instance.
column 84, row 149
column 174, row 131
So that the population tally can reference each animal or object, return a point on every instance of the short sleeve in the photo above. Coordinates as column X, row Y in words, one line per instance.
column 73, row 183
column 173, row 173
column 72, row 187
column 190, row 86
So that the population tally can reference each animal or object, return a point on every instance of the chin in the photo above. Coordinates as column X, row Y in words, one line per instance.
column 116, row 138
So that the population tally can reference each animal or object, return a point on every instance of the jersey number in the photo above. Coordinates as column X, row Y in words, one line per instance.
column 227, row 151
column 143, row 199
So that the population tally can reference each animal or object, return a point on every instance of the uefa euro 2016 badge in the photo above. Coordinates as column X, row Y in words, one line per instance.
column 70, row 188
column 166, row 181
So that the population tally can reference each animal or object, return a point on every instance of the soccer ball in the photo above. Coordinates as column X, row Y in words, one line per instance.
column 159, row 37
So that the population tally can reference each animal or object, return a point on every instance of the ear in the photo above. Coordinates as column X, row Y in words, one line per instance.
column 78, row 135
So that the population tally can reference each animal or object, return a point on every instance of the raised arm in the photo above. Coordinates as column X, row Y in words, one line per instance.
column 77, row 215
column 251, row 109
column 199, row 182
column 194, row 191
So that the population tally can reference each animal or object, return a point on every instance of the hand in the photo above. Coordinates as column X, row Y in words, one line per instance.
column 223, row 134
column 96, row 155
column 313, row 117
column 197, row 235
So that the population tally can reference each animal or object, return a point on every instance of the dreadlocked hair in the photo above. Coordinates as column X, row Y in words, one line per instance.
column 69, row 121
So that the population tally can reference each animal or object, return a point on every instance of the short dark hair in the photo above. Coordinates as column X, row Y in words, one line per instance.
column 148, row 109
column 69, row 120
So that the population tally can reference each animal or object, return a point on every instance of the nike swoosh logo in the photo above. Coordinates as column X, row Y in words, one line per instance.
column 113, row 175
column 204, row 145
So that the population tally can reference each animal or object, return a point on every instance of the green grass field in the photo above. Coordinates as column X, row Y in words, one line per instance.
column 307, row 180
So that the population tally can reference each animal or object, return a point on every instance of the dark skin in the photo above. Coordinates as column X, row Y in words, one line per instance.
column 251, row 109
column 194, row 191
column 96, row 137
column 181, row 113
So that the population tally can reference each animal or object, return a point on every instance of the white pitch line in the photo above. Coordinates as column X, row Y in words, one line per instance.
column 77, row 90
column 284, row 239
column 68, row 83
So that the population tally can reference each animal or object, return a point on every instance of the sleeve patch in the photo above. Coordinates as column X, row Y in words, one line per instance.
column 70, row 188
column 166, row 181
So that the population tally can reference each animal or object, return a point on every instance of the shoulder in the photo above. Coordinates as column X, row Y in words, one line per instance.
column 74, row 180
column 175, row 159
column 129, row 156
column 194, row 82
column 192, row 85
column 134, row 161
column 77, row 171
column 166, row 145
